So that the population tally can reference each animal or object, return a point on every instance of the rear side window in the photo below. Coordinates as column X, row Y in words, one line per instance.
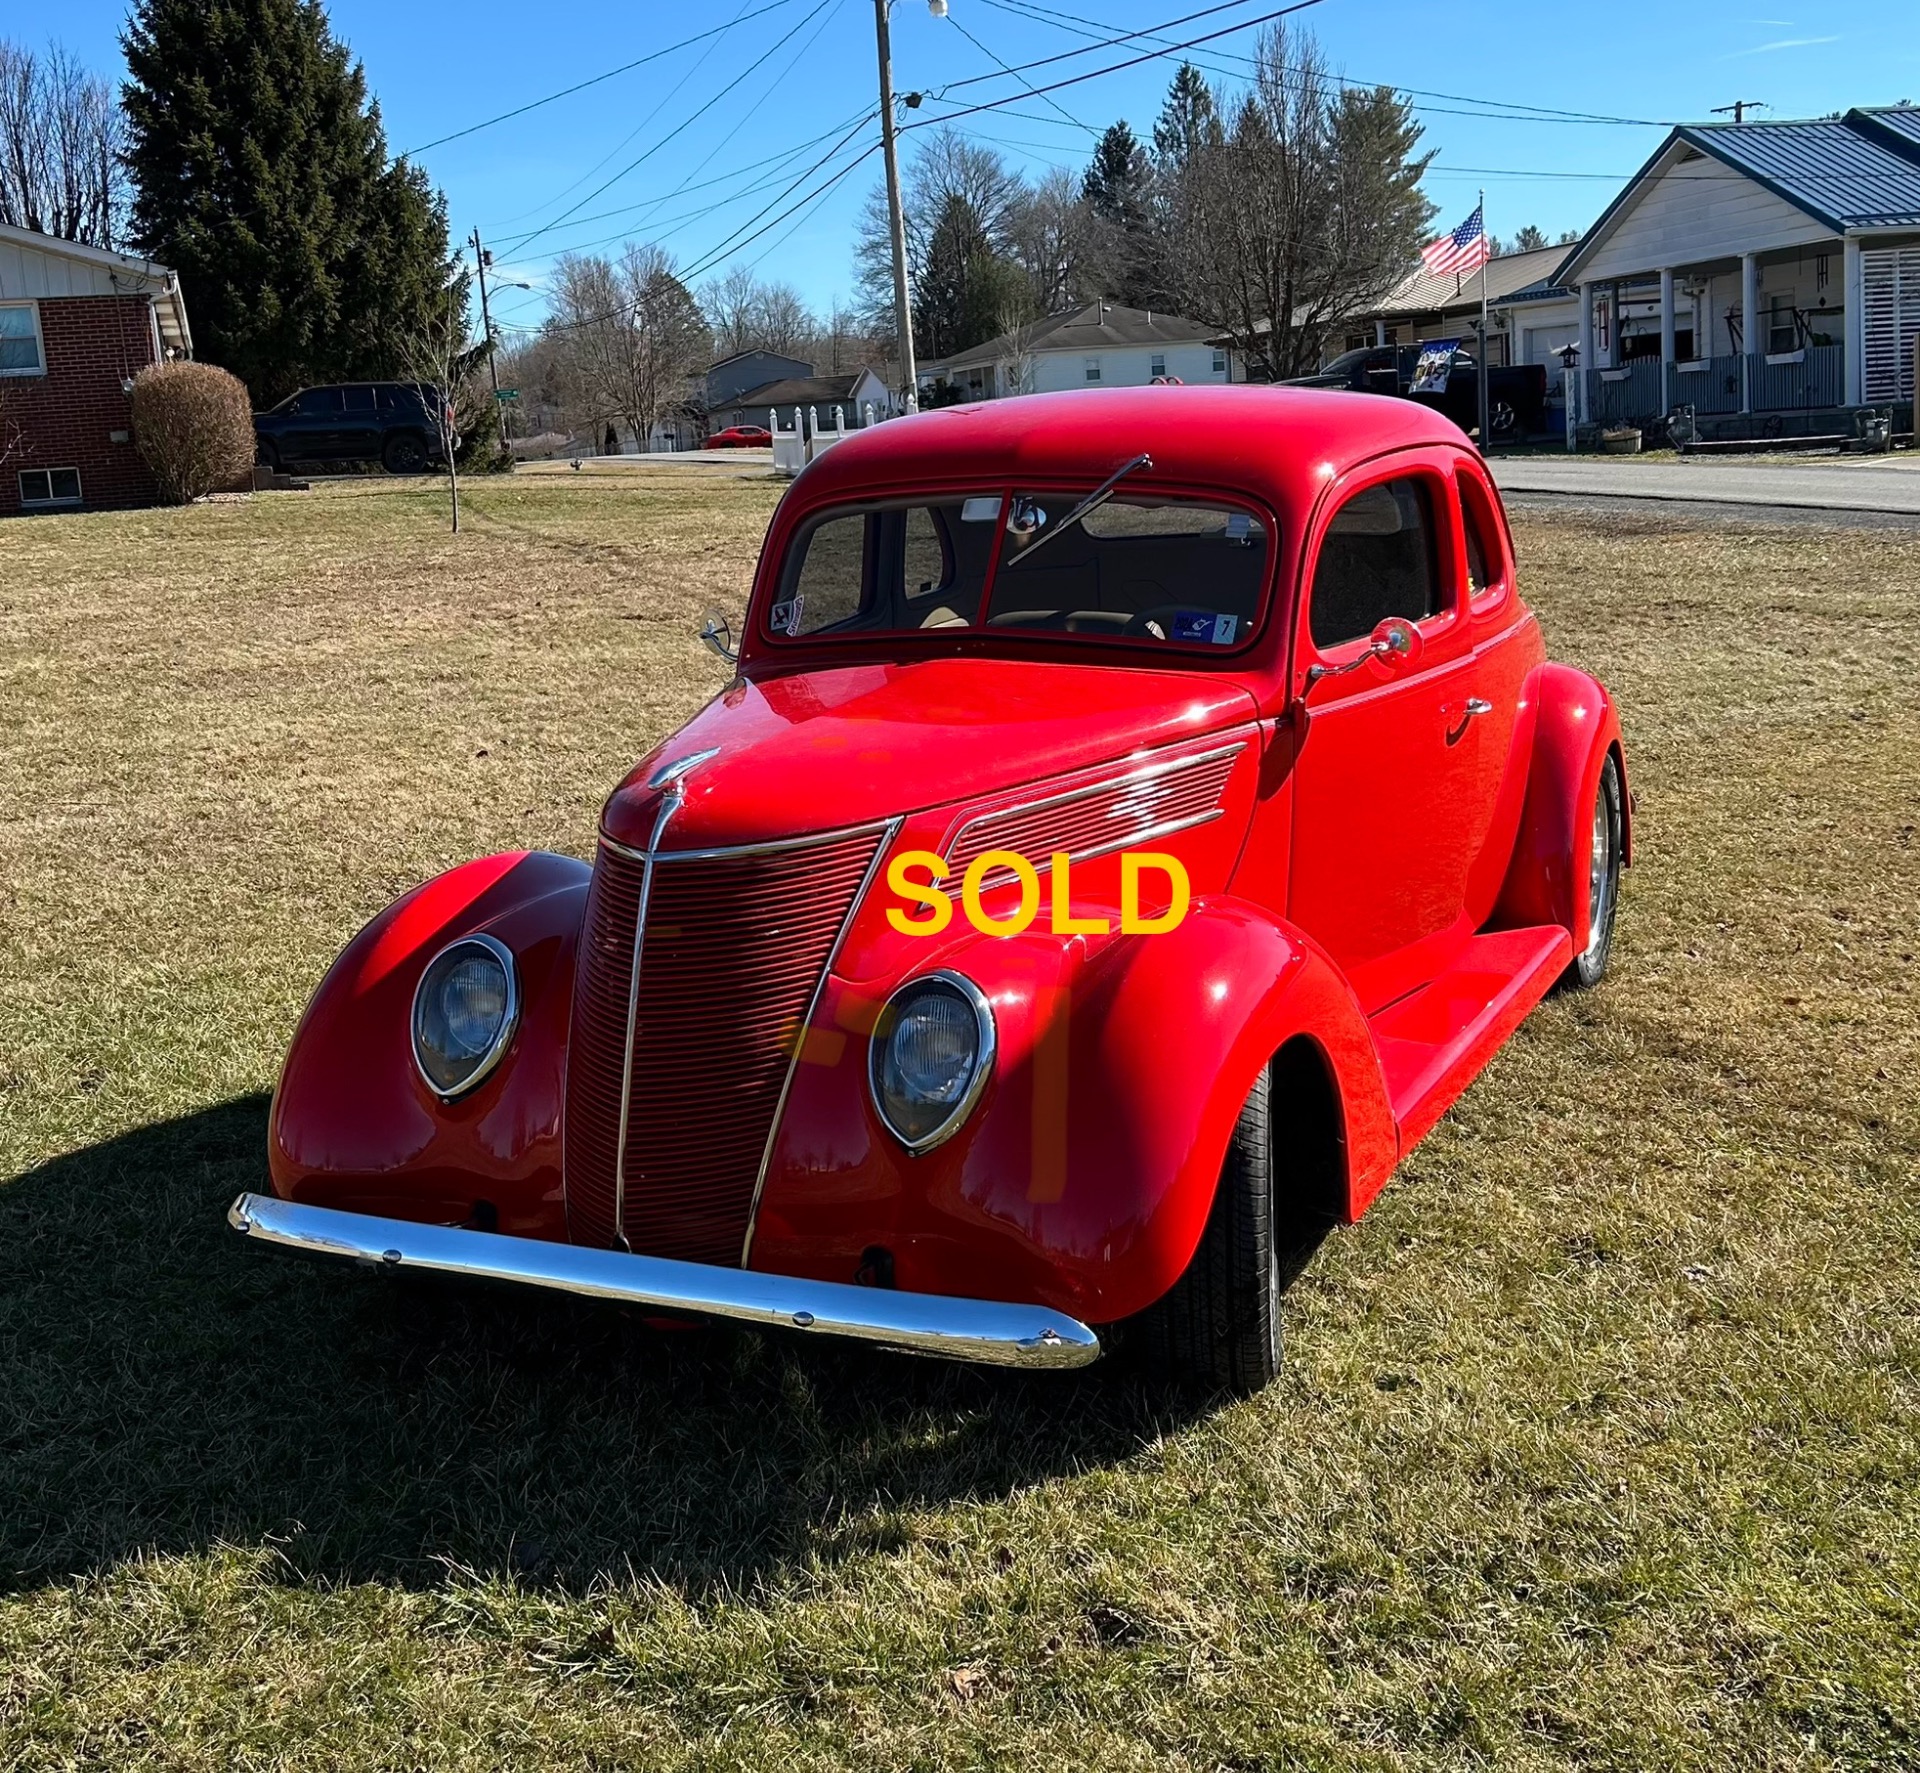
column 1486, row 559
column 1377, row 560
column 358, row 399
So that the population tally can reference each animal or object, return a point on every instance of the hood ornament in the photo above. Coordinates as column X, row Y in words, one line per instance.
column 668, row 774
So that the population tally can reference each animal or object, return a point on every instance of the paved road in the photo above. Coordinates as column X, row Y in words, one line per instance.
column 1884, row 484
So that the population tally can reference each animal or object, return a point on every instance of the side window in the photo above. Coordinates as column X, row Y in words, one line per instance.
column 828, row 584
column 358, row 399
column 928, row 566
column 887, row 569
column 1486, row 562
column 1376, row 560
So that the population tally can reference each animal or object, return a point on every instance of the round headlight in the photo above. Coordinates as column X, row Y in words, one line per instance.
column 931, row 1055
column 464, row 1010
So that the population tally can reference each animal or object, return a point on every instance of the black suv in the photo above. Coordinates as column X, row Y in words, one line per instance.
column 387, row 422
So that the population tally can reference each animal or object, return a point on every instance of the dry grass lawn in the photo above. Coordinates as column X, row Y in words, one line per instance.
column 1598, row 1443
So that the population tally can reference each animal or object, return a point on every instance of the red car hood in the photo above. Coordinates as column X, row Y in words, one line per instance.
column 825, row 749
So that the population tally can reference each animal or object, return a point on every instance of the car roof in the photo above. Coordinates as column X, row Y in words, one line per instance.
column 1278, row 443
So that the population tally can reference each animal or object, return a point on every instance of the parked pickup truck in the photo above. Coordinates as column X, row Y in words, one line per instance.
column 1517, row 395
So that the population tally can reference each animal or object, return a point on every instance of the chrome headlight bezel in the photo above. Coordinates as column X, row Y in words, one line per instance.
column 503, row 1036
column 955, row 985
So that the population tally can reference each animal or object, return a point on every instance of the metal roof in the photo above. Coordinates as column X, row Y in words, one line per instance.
column 1857, row 171
column 1421, row 292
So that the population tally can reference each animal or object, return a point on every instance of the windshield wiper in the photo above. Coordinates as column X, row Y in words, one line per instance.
column 1092, row 502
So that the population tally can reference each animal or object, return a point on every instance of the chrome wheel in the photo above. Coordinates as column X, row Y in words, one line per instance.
column 1600, row 874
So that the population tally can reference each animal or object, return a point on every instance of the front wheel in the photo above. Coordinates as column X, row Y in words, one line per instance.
column 1603, row 881
column 1220, row 1325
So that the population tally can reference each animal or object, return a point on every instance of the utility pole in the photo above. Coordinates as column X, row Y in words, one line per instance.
column 1740, row 107
column 902, row 311
column 482, row 258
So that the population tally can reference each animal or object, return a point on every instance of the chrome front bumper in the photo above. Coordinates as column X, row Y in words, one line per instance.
column 915, row 1323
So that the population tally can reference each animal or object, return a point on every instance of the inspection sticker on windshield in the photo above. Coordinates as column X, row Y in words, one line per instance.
column 1203, row 624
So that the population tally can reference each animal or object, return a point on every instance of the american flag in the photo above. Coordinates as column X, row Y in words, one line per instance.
column 1464, row 250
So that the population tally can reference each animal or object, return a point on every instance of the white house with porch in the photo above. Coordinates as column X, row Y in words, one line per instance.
column 1766, row 272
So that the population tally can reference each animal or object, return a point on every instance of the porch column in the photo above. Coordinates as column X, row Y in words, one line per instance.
column 1379, row 333
column 1666, row 335
column 1749, row 320
column 1587, row 363
column 1853, row 293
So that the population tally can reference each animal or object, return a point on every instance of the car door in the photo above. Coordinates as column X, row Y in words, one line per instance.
column 313, row 426
column 1391, row 805
column 358, row 439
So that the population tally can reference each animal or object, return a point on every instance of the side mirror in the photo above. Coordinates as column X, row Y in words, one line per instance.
column 717, row 632
column 1394, row 643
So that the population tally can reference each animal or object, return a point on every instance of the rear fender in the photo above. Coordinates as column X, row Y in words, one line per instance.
column 353, row 1123
column 1575, row 728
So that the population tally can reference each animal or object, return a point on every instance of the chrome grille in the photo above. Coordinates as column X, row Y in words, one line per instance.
column 732, row 954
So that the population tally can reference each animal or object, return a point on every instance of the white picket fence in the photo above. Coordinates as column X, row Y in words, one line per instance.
column 794, row 449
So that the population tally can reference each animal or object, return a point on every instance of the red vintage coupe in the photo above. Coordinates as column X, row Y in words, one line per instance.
column 1244, row 670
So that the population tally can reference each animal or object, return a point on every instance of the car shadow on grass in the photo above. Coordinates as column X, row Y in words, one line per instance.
column 166, row 1388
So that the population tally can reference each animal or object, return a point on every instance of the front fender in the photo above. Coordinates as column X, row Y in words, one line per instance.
column 1576, row 726
column 1086, row 1173
column 354, row 1125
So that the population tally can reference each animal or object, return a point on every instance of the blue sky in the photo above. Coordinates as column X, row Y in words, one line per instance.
column 699, row 119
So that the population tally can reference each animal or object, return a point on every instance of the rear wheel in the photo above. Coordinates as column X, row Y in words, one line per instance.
column 404, row 454
column 1603, row 881
column 1220, row 1325
column 266, row 455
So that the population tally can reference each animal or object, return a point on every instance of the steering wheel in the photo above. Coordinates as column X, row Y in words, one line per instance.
column 1153, row 624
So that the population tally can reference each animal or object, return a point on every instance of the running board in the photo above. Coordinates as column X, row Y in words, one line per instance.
column 1436, row 1041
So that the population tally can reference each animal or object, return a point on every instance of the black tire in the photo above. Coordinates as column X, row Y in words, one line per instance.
column 404, row 453
column 1219, row 1327
column 1603, row 882
column 266, row 455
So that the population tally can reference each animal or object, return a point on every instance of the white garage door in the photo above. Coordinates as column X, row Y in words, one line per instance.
column 1539, row 343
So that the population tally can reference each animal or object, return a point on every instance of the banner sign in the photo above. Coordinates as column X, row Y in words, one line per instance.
column 1430, row 371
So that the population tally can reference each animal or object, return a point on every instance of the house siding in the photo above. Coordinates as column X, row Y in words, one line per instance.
column 1670, row 224
column 66, row 417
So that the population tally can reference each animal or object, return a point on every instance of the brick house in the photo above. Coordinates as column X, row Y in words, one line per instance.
column 77, row 324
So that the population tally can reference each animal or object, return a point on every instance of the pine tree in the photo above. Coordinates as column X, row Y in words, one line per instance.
column 261, row 175
column 1118, row 188
column 1188, row 121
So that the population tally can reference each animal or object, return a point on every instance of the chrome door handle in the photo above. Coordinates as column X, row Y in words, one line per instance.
column 1476, row 706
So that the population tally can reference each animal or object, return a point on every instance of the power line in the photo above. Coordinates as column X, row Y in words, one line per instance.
column 989, row 54
column 1521, row 112
column 779, row 159
column 595, row 80
column 679, row 128
column 1114, row 67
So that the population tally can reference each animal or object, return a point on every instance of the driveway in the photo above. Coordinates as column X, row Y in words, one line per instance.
column 1888, row 484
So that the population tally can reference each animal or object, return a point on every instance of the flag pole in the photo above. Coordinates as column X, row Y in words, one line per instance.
column 1486, row 342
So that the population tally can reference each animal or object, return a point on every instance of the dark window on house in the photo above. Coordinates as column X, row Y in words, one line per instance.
column 1159, row 363
column 1376, row 560
column 1782, row 333
column 49, row 486
column 19, row 341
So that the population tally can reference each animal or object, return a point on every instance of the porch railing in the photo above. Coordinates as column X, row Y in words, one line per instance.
column 1798, row 381
column 1708, row 385
column 1645, row 390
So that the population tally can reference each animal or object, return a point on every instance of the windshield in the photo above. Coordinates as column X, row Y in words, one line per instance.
column 1162, row 572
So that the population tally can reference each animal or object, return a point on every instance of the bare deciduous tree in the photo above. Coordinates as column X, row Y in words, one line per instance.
column 1304, row 209
column 61, row 137
column 629, row 336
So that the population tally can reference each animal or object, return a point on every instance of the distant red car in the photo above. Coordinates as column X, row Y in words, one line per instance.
column 1080, row 648
column 740, row 437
